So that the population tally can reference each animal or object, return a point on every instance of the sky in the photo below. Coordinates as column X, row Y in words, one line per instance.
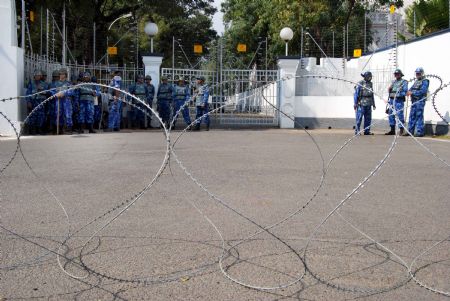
column 217, row 19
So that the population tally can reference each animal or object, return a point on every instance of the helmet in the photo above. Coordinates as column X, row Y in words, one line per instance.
column 38, row 73
column 398, row 71
column 163, row 77
column 87, row 74
column 420, row 70
column 202, row 78
column 55, row 73
column 140, row 76
column 44, row 73
column 148, row 77
column 366, row 74
column 94, row 79
column 63, row 71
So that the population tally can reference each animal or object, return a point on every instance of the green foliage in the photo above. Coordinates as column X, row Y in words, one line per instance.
column 249, row 19
column 186, row 19
column 430, row 16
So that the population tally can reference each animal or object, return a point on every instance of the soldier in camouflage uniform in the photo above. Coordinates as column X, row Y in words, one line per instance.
column 363, row 102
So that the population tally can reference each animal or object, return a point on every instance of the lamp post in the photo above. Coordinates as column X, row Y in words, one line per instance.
column 286, row 34
column 107, row 35
column 151, row 29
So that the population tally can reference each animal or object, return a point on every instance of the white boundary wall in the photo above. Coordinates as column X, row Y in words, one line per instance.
column 11, row 66
column 322, row 99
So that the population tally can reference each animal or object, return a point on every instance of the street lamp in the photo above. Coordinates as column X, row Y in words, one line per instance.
column 286, row 34
column 151, row 29
column 107, row 35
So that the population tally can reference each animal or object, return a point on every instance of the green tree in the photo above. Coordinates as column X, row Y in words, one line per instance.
column 430, row 16
column 188, row 19
column 323, row 19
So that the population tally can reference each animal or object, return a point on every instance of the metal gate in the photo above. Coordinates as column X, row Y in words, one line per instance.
column 246, row 98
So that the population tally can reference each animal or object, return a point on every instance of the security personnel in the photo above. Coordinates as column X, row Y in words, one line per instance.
column 36, row 121
column 164, row 96
column 140, row 90
column 363, row 102
column 397, row 94
column 97, row 105
column 181, row 96
column 64, row 98
column 151, row 96
column 85, row 98
column 418, row 93
column 201, row 96
column 115, row 109
column 51, row 107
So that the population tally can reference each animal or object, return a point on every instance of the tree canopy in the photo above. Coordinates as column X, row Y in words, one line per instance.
column 323, row 19
column 427, row 16
column 189, row 20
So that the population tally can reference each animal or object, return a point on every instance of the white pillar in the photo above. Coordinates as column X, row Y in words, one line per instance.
column 12, row 66
column 287, row 68
column 152, row 65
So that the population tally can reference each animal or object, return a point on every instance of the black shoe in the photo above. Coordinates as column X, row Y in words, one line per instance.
column 402, row 131
column 207, row 127
column 406, row 135
column 91, row 129
column 197, row 127
column 391, row 132
column 69, row 130
column 368, row 134
column 116, row 130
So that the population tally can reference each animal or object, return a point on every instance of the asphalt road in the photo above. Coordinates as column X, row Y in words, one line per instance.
column 164, row 248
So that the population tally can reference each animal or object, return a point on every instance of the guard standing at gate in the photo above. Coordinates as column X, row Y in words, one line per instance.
column 151, row 95
column 164, row 96
column 140, row 90
column 397, row 93
column 418, row 93
column 201, row 96
column 64, row 102
column 37, row 120
column 181, row 96
column 363, row 102
column 85, row 98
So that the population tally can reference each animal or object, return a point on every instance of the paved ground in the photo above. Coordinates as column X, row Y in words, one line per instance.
column 163, row 249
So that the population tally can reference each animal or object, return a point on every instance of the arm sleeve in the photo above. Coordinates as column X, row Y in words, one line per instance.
column 188, row 94
column 206, row 95
column 356, row 95
column 403, row 89
column 29, row 91
column 151, row 93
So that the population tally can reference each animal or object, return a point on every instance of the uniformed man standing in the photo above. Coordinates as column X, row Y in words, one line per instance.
column 181, row 96
column 64, row 102
column 151, row 95
column 201, row 96
column 85, row 98
column 418, row 93
column 37, row 120
column 397, row 94
column 363, row 102
column 140, row 90
column 115, row 109
column 164, row 96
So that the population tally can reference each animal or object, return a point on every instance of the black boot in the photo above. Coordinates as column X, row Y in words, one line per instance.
column 69, row 130
column 391, row 132
column 197, row 127
column 402, row 131
column 207, row 126
column 80, row 129
column 91, row 129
